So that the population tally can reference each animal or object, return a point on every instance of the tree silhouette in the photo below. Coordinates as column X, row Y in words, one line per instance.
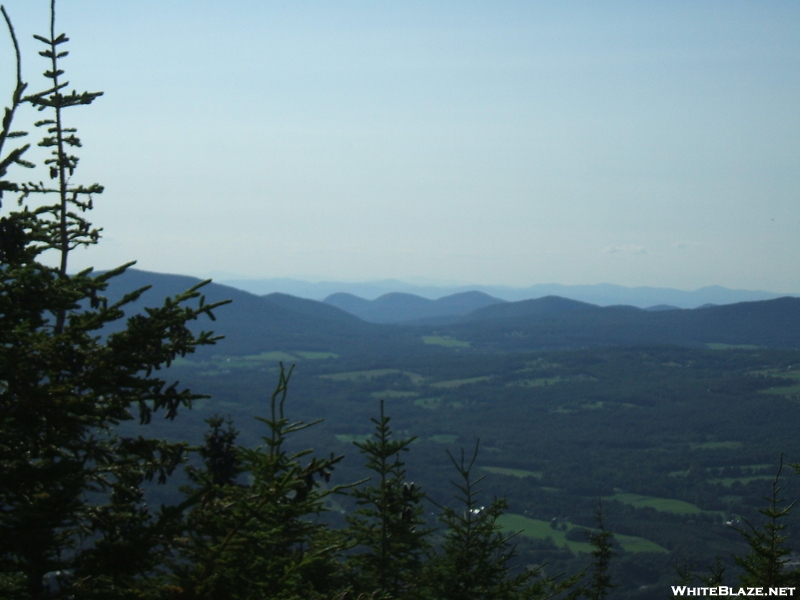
column 72, row 508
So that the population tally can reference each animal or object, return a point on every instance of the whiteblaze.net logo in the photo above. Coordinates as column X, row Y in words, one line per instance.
column 723, row 590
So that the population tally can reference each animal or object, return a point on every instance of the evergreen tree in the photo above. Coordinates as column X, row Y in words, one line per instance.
column 72, row 505
column 258, row 538
column 600, row 583
column 475, row 556
column 686, row 574
column 764, row 565
column 387, row 528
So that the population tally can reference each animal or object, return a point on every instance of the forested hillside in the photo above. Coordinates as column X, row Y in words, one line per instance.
column 279, row 321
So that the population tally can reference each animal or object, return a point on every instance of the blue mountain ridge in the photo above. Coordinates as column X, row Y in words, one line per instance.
column 254, row 324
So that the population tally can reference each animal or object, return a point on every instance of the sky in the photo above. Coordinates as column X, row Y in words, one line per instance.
column 496, row 143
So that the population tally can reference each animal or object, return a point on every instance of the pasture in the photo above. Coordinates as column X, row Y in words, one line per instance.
column 521, row 473
column 445, row 341
column 369, row 375
column 538, row 529
column 454, row 383
column 678, row 507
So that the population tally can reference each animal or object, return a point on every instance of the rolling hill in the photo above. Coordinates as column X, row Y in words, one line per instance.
column 398, row 307
column 602, row 294
column 253, row 324
column 559, row 323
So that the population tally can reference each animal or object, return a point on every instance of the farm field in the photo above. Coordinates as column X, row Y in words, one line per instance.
column 537, row 529
column 513, row 472
column 444, row 340
column 678, row 507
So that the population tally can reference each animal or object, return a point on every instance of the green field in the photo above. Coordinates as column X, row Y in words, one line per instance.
column 315, row 355
column 538, row 365
column 542, row 382
column 361, row 375
column 253, row 359
column 429, row 403
column 783, row 373
column 393, row 394
column 716, row 445
column 789, row 390
column 717, row 346
column 547, row 381
column 444, row 340
column 749, row 473
column 729, row 481
column 537, row 529
column 270, row 358
column 454, row 383
column 513, row 472
column 237, row 362
column 678, row 507
column 678, row 473
column 351, row 437
column 443, row 438
column 594, row 405
column 371, row 374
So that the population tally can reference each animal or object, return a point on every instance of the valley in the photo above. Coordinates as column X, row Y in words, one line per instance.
column 674, row 423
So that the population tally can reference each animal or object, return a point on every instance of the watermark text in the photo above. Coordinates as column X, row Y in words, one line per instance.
column 724, row 590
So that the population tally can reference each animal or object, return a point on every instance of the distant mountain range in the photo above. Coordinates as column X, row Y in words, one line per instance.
column 464, row 322
column 602, row 294
column 397, row 307
column 253, row 324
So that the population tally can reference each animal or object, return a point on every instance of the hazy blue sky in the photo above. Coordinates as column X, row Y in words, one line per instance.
column 637, row 143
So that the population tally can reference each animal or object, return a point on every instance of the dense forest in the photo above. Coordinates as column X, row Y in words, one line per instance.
column 527, row 450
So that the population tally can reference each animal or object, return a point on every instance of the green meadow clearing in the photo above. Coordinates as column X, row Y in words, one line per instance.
column 454, row 383
column 371, row 374
column 443, row 438
column 315, row 355
column 791, row 390
column 349, row 438
column 788, row 390
column 546, row 381
column 678, row 507
column 270, row 359
column 429, row 403
column 444, row 340
column 513, row 472
column 542, row 382
column 383, row 394
column 538, row 529
column 719, row 346
column 715, row 445
column 729, row 481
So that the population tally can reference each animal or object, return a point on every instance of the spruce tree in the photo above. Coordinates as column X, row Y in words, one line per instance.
column 475, row 554
column 73, row 514
column 387, row 529
column 764, row 565
column 253, row 529
column 600, row 583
